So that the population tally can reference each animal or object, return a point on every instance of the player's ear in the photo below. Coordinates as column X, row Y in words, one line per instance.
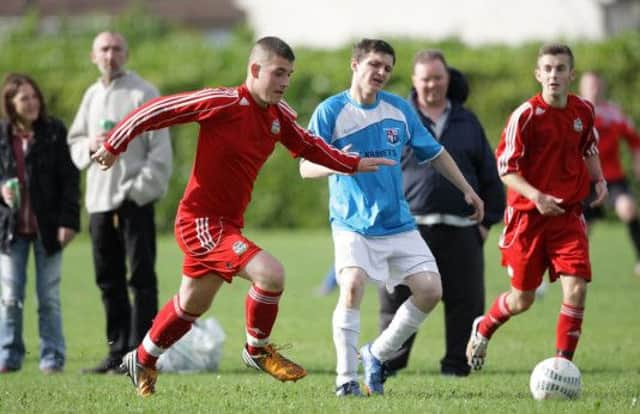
column 354, row 64
column 536, row 73
column 255, row 70
column 572, row 74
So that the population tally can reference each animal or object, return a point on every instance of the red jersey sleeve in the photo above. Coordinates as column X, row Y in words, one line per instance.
column 628, row 132
column 169, row 110
column 592, row 137
column 511, row 147
column 302, row 143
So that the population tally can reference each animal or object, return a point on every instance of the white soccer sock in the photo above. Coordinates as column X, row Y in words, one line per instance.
column 346, row 332
column 404, row 324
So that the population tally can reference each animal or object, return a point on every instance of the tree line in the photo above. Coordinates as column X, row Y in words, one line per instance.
column 176, row 59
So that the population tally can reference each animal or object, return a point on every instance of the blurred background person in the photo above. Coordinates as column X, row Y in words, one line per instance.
column 39, row 209
column 613, row 126
column 440, row 210
column 120, row 201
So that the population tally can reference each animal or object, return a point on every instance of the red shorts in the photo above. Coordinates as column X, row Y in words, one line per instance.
column 532, row 243
column 212, row 246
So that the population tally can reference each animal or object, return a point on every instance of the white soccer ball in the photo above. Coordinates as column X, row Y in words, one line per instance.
column 556, row 378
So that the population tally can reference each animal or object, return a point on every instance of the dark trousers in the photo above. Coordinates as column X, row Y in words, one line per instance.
column 459, row 254
column 127, row 234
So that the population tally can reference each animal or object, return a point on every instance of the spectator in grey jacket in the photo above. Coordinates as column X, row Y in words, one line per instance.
column 120, row 202
column 440, row 211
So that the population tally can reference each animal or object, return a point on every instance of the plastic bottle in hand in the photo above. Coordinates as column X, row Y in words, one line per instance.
column 14, row 185
column 107, row 125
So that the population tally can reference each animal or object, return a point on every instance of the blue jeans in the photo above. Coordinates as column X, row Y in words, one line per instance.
column 13, row 278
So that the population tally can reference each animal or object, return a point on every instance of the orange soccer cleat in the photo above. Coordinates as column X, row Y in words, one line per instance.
column 143, row 378
column 274, row 364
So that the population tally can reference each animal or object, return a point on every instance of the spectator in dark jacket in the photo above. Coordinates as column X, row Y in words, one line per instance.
column 39, row 207
column 440, row 210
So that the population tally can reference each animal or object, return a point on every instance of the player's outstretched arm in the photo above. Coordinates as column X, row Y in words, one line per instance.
column 446, row 166
column 104, row 158
column 309, row 169
column 371, row 164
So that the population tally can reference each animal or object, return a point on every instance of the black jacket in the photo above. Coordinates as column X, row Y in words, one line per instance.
column 463, row 137
column 53, row 183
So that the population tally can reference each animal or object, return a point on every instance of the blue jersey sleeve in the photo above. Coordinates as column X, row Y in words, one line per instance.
column 322, row 123
column 424, row 145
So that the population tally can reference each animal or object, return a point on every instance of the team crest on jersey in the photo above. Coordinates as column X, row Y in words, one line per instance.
column 577, row 125
column 239, row 247
column 275, row 127
column 393, row 135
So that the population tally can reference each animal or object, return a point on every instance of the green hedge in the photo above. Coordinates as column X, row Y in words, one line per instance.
column 176, row 59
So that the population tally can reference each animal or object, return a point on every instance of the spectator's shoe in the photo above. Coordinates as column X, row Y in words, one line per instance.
column 349, row 389
column 274, row 364
column 373, row 372
column 109, row 365
column 477, row 346
column 51, row 370
column 8, row 370
column 143, row 378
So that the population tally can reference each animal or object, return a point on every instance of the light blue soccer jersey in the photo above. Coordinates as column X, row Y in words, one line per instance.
column 372, row 204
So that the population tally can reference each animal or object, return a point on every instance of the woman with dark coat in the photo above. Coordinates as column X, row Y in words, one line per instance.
column 39, row 209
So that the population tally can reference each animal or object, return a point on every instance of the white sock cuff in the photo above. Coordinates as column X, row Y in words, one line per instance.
column 150, row 347
column 256, row 342
column 346, row 318
column 411, row 314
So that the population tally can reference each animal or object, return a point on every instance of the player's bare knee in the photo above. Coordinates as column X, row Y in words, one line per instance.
column 426, row 289
column 575, row 294
column 432, row 291
column 521, row 301
column 352, row 285
column 273, row 278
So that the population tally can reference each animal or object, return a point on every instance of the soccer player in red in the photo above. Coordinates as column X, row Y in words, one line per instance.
column 547, row 157
column 613, row 126
column 239, row 128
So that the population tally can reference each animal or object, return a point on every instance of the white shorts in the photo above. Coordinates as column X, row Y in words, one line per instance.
column 387, row 260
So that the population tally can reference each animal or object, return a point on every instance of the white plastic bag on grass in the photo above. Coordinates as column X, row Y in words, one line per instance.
column 200, row 350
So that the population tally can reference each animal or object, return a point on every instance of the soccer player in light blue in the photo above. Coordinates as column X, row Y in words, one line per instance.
column 374, row 234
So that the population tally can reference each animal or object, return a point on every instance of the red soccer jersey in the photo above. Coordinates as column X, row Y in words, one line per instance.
column 546, row 146
column 235, row 139
column 613, row 125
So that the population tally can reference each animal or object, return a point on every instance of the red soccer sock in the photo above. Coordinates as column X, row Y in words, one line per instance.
column 169, row 325
column 261, row 309
column 498, row 314
column 568, row 330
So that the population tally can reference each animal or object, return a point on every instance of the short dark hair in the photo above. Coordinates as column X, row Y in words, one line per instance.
column 556, row 49
column 365, row 46
column 13, row 82
column 277, row 46
column 429, row 55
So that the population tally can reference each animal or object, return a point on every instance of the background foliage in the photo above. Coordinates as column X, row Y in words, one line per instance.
column 176, row 59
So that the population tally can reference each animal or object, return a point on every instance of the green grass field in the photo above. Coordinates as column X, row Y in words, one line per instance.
column 608, row 355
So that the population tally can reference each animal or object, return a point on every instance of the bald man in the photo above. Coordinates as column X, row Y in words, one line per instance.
column 121, row 202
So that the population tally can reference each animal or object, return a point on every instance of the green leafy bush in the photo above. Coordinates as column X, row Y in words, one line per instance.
column 175, row 60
